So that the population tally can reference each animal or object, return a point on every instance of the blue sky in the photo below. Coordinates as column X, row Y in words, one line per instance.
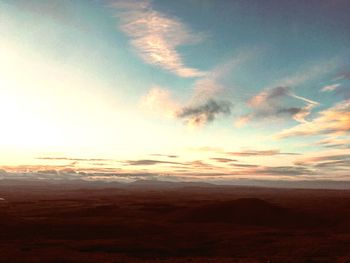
column 265, row 83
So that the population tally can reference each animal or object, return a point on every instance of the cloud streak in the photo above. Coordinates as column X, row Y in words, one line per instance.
column 259, row 153
column 155, row 36
column 73, row 159
column 223, row 160
column 148, row 162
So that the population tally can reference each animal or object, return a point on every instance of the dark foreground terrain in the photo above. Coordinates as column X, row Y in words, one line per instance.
column 142, row 222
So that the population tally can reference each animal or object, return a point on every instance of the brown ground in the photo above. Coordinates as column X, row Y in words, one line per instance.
column 75, row 223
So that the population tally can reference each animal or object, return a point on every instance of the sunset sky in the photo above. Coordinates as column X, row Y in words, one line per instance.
column 185, row 89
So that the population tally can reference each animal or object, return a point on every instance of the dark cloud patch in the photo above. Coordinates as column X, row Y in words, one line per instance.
column 276, row 93
column 205, row 113
column 241, row 165
column 289, row 111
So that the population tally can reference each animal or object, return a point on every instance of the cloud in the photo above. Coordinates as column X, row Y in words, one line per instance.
column 165, row 155
column 155, row 36
column 159, row 100
column 223, row 160
column 199, row 164
column 284, row 171
column 310, row 72
column 259, row 153
column 73, row 159
column 259, row 170
column 334, row 142
column 329, row 88
column 332, row 121
column 212, row 85
column 209, row 95
column 244, row 153
column 243, row 121
column 148, row 162
column 331, row 162
column 204, row 113
column 271, row 103
column 275, row 103
column 322, row 158
column 339, row 89
column 242, row 165
column 268, row 95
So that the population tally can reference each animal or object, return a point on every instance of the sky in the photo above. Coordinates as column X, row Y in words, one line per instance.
column 176, row 90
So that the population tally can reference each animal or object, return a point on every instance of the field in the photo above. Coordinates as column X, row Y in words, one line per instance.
column 145, row 222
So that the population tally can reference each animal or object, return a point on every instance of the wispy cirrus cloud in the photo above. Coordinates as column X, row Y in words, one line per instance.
column 155, row 36
column 333, row 121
